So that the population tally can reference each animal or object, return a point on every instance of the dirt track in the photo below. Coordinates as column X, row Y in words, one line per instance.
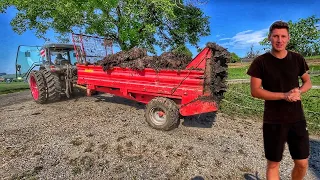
column 104, row 137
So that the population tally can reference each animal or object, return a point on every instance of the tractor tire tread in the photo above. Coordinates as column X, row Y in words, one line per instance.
column 41, row 85
column 53, row 85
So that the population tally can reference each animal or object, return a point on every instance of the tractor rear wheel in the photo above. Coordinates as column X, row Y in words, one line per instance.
column 38, row 87
column 54, row 85
column 162, row 114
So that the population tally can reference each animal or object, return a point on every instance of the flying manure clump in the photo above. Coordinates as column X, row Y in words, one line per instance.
column 218, row 71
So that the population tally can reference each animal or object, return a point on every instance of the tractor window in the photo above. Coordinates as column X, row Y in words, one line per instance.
column 54, row 55
column 28, row 58
column 62, row 54
column 57, row 56
column 72, row 55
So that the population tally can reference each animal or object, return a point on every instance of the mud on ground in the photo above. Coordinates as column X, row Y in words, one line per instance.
column 105, row 137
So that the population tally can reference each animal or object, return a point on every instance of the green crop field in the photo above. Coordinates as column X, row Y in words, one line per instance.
column 314, row 68
column 6, row 88
column 238, row 73
column 313, row 57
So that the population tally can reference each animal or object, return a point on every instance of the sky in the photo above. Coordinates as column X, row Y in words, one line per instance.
column 234, row 24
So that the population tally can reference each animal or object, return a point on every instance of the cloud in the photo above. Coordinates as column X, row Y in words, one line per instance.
column 318, row 26
column 223, row 39
column 244, row 39
column 219, row 35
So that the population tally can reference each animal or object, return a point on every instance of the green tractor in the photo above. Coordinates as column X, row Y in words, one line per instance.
column 50, row 70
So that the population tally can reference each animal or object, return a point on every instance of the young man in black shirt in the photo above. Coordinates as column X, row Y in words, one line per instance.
column 274, row 78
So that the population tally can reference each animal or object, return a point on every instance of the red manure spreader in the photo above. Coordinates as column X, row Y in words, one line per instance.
column 167, row 93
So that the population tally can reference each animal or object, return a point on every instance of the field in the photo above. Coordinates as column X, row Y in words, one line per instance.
column 13, row 87
column 313, row 58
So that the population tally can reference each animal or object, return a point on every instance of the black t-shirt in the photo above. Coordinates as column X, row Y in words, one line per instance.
column 280, row 75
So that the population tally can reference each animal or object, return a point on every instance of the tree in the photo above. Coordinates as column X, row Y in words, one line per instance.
column 183, row 50
column 129, row 23
column 234, row 57
column 252, row 54
column 304, row 37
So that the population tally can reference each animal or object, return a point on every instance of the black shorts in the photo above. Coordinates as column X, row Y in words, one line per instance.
column 276, row 135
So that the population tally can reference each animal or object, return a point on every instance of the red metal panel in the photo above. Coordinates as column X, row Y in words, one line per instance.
column 186, row 94
column 163, row 82
column 199, row 61
column 187, row 77
column 198, row 107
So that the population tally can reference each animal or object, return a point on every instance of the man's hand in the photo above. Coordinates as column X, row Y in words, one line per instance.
column 293, row 95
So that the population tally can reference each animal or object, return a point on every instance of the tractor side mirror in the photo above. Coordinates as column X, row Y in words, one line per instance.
column 18, row 67
column 27, row 54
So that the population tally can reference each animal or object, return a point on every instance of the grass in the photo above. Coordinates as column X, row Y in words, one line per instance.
column 238, row 102
column 238, row 72
column 6, row 88
column 314, row 68
column 315, row 80
column 313, row 57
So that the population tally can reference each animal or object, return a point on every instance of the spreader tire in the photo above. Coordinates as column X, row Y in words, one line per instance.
column 54, row 85
column 38, row 87
column 162, row 114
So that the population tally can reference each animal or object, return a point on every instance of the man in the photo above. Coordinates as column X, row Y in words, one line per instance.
column 60, row 60
column 274, row 78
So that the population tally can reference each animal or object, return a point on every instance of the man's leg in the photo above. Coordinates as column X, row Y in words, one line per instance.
column 273, row 170
column 300, row 169
column 274, row 138
column 298, row 141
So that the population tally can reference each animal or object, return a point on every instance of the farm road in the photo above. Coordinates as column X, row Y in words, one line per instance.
column 105, row 137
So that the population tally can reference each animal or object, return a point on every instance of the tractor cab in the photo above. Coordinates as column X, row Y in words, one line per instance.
column 56, row 57
column 52, row 57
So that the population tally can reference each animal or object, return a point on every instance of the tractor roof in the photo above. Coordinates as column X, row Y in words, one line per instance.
column 58, row 45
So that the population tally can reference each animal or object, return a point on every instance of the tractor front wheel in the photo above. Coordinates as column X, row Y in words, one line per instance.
column 38, row 87
column 162, row 114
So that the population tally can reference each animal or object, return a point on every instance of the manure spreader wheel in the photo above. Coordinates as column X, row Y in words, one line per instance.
column 162, row 113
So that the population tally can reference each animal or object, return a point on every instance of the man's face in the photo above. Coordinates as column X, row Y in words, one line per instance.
column 279, row 39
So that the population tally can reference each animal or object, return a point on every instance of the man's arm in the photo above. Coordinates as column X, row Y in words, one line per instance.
column 306, row 83
column 258, row 92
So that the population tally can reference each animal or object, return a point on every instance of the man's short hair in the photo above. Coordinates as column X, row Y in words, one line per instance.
column 278, row 25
